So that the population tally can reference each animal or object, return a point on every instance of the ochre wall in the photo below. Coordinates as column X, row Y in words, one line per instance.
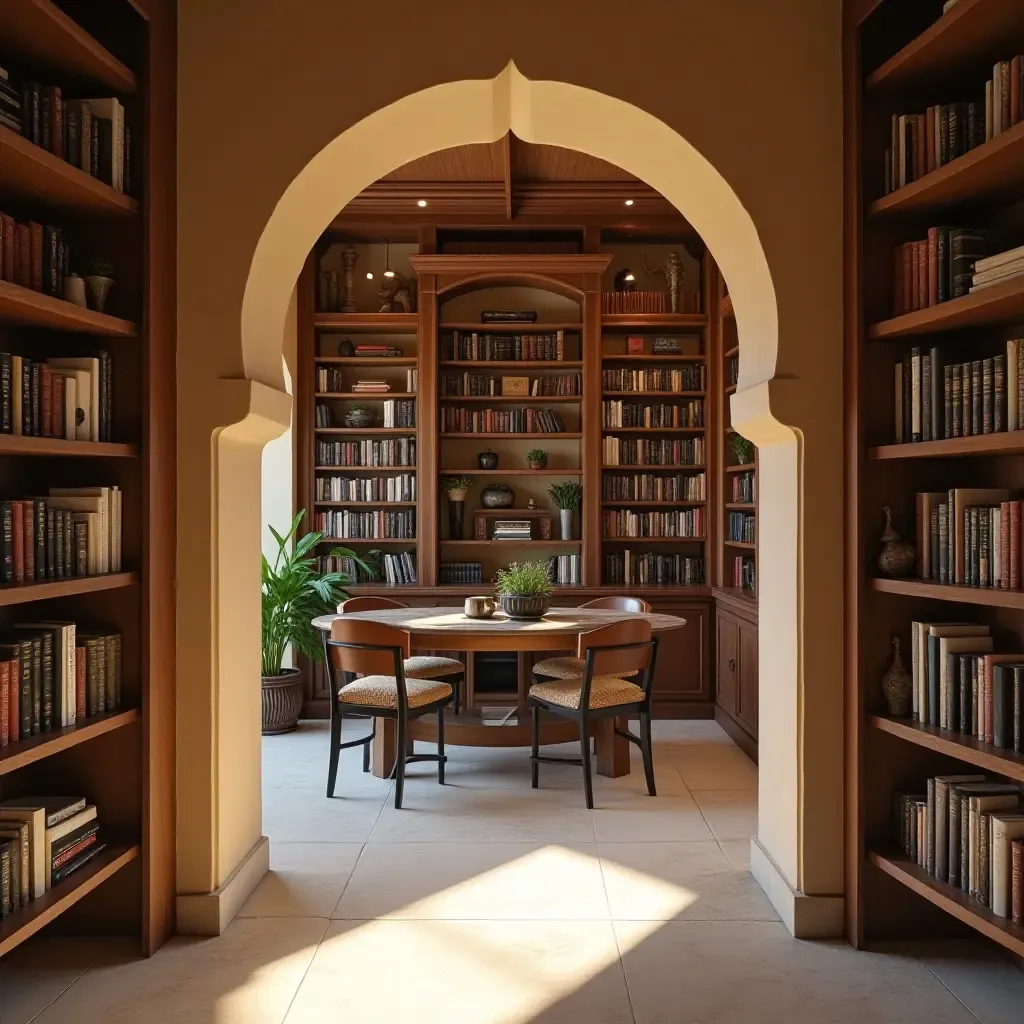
column 264, row 85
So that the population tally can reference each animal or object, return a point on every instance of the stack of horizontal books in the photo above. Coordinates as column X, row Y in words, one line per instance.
column 512, row 529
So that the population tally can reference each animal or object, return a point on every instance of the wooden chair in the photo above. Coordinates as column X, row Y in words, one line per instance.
column 369, row 658
column 419, row 666
column 608, row 654
column 568, row 667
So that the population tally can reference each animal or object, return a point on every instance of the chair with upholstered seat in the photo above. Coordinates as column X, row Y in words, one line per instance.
column 419, row 666
column 609, row 654
column 570, row 667
column 366, row 673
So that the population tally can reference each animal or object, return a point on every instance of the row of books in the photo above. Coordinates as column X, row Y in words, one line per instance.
column 653, row 487
column 399, row 451
column 401, row 487
column 642, row 451
column 634, row 568
column 743, row 487
column 53, row 674
column 460, row 420
column 69, row 397
column 686, row 378
column 647, row 302
column 565, row 570
column 684, row 523
column 377, row 350
column 741, row 527
column 474, row 347
column 959, row 684
column 970, row 536
column 744, row 572
column 995, row 269
column 397, row 412
column 34, row 255
column 968, row 832
column 512, row 529
column 486, row 384
column 354, row 525
column 332, row 380
column 75, row 531
column 460, row 572
column 90, row 134
column 398, row 567
column 43, row 841
column 617, row 413
column 732, row 371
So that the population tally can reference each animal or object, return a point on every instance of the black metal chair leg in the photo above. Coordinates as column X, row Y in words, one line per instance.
column 400, row 764
column 457, row 687
column 332, row 763
column 366, row 755
column 535, row 747
column 588, row 785
column 645, row 750
column 440, row 746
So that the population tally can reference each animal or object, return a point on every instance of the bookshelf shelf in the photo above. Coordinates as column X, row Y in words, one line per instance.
column 656, row 469
column 30, row 173
column 511, row 364
column 24, row 923
column 66, row 588
column 365, row 360
column 511, row 399
column 1007, row 443
column 513, row 544
column 993, row 170
column 22, row 307
column 513, row 472
column 744, row 468
column 654, row 430
column 361, row 431
column 13, row 444
column 725, row 309
column 391, row 323
column 964, row 748
column 346, row 541
column 731, row 389
column 509, row 328
column 365, row 469
column 951, row 900
column 991, row 307
column 45, row 37
column 730, row 352
column 745, row 545
column 25, row 752
column 565, row 436
column 362, row 396
column 741, row 505
column 667, row 321
column 653, row 504
column 365, row 504
column 654, row 540
column 654, row 394
column 612, row 357
column 950, row 592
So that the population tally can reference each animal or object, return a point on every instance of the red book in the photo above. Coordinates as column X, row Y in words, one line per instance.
column 1015, row 545
column 81, row 661
column 36, row 256
column 9, row 243
column 5, row 710
column 635, row 346
column 57, row 408
column 1004, row 545
column 1017, row 882
column 13, row 689
column 933, row 266
column 23, row 256
column 29, row 533
column 18, row 540
column 45, row 399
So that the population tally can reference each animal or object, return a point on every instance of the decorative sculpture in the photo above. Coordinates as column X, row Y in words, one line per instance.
column 348, row 262
column 397, row 295
column 672, row 270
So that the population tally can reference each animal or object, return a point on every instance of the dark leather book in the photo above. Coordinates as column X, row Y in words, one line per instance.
column 907, row 397
column 72, row 136
column 999, row 394
column 983, row 561
column 942, row 285
column 51, row 544
column 30, row 110
column 80, row 861
column 954, row 417
column 1018, row 708
column 1017, row 882
column 23, row 256
column 34, row 399
column 987, row 395
column 40, row 538
column 926, row 397
column 943, row 559
column 36, row 255
column 937, row 401
column 1002, row 703
column 983, row 857
column 7, row 519
column 976, row 397
column 966, row 245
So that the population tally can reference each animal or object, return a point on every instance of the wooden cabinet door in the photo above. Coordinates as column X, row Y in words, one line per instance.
column 726, row 662
column 681, row 675
column 748, row 676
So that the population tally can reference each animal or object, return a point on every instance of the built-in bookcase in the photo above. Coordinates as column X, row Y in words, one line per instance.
column 909, row 191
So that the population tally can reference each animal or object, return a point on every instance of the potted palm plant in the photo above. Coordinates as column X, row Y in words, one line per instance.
column 524, row 589
column 567, row 496
column 294, row 593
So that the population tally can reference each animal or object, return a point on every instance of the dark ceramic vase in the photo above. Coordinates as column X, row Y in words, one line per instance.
column 487, row 460
column 498, row 496
column 282, row 701
column 359, row 418
column 530, row 606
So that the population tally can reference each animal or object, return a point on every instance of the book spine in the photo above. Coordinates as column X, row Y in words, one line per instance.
column 987, row 385
column 81, row 682
column 976, row 397
column 1017, row 882
column 999, row 394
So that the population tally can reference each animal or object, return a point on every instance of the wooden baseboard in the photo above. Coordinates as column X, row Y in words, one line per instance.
column 737, row 733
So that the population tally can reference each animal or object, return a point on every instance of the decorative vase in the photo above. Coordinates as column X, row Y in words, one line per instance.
column 282, row 701
column 456, row 513
column 528, row 606
column 360, row 418
column 99, row 290
column 565, row 522
column 896, row 684
column 538, row 463
column 346, row 348
column 898, row 556
column 74, row 290
column 487, row 459
column 498, row 496
column 331, row 280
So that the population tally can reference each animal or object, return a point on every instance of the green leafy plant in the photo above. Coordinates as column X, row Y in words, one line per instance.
column 566, row 494
column 524, row 579
column 456, row 483
column 742, row 449
column 536, row 455
column 294, row 593
column 99, row 268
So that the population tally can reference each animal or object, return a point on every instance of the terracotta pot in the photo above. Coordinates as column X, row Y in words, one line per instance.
column 538, row 463
column 530, row 606
column 282, row 701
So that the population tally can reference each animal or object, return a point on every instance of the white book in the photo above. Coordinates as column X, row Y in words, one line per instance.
column 1000, row 259
column 983, row 805
column 89, row 499
column 1012, row 411
column 1010, row 269
column 91, row 366
column 77, row 403
column 1004, row 829
column 1001, row 280
column 36, row 819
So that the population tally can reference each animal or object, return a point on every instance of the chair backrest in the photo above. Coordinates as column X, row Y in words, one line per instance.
column 368, row 604
column 366, row 648
column 619, row 603
column 617, row 648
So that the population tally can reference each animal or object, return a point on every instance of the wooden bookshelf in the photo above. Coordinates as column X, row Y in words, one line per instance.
column 122, row 761
column 918, row 57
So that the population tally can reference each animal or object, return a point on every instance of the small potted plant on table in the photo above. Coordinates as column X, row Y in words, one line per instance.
column 457, row 488
column 294, row 593
column 567, row 496
column 524, row 589
column 537, row 458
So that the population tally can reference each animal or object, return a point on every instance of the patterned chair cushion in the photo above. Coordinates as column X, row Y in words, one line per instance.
column 423, row 666
column 605, row 692
column 565, row 668
column 382, row 691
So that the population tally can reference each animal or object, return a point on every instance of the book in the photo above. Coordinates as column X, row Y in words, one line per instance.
column 33, row 815
column 108, row 115
column 18, row 833
column 1006, row 827
column 80, row 861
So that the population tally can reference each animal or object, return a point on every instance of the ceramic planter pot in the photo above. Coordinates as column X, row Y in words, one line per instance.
column 487, row 460
column 99, row 288
column 566, row 521
column 538, row 463
column 360, row 418
column 498, row 496
column 282, row 701
column 530, row 606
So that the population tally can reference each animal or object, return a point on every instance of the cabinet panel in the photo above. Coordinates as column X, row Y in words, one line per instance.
column 748, row 677
column 726, row 659
column 682, row 672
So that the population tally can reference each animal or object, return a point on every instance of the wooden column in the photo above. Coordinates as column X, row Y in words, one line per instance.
column 427, row 441
column 590, row 445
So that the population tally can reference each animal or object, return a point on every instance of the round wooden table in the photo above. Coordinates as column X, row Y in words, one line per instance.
column 450, row 629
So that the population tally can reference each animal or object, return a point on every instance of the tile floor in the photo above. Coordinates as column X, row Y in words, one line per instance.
column 484, row 902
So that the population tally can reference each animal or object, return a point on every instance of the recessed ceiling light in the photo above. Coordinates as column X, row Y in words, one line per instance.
column 629, row 202
column 421, row 202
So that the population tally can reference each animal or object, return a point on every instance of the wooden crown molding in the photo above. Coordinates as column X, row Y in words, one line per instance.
column 534, row 264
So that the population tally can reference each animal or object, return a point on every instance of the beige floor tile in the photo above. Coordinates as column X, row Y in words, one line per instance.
column 465, row 972
column 719, row 972
column 305, row 880
column 300, row 815
column 732, row 814
column 671, row 881
column 991, row 988
column 249, row 975
column 475, row 881
column 36, row 973
column 738, row 852
column 715, row 766
column 662, row 818
column 678, row 731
